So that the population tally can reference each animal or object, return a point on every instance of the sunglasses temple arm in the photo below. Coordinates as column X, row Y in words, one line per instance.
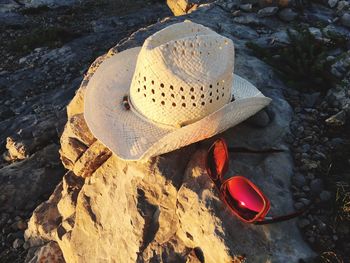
column 245, row 150
column 270, row 220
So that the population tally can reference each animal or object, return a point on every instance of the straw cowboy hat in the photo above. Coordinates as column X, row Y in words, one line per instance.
column 177, row 89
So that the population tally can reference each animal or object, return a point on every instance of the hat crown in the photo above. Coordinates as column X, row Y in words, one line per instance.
column 183, row 73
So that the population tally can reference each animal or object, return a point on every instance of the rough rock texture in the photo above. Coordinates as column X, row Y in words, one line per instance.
column 47, row 253
column 167, row 209
column 36, row 84
column 180, row 7
column 28, row 180
column 50, row 3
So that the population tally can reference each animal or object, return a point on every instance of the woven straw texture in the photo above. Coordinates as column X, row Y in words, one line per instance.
column 204, row 86
column 179, row 81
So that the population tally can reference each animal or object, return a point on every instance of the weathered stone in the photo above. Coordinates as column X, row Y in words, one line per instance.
column 310, row 99
column 287, row 15
column 325, row 195
column 19, row 225
column 244, row 32
column 299, row 180
column 47, row 253
column 70, row 189
column 30, row 179
column 316, row 186
column 267, row 11
column 345, row 20
column 303, row 223
column 71, row 150
column 34, row 94
column 261, row 119
column 91, row 159
column 342, row 6
column 334, row 30
column 246, row 7
column 43, row 223
column 181, row 7
column 79, row 129
column 17, row 243
column 50, row 3
column 17, row 149
column 77, row 105
column 280, row 3
column 5, row 112
column 332, row 3
column 250, row 19
column 298, row 205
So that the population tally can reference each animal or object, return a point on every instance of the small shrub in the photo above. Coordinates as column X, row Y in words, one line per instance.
column 302, row 63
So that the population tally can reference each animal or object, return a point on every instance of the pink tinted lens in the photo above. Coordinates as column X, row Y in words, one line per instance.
column 217, row 160
column 243, row 198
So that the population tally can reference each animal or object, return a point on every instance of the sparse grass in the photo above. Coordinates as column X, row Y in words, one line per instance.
column 330, row 257
column 302, row 64
column 342, row 201
column 39, row 37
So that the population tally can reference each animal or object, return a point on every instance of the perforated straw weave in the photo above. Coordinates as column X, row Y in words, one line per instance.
column 180, row 84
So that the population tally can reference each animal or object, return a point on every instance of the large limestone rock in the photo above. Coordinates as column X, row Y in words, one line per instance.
column 167, row 210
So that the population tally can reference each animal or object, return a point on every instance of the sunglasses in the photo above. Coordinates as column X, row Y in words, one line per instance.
column 243, row 197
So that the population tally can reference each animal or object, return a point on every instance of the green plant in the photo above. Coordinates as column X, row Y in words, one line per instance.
column 302, row 63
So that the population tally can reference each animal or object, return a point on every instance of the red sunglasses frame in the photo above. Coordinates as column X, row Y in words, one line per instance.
column 222, row 185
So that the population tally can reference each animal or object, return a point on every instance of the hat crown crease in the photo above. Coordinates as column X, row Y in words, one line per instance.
column 181, row 78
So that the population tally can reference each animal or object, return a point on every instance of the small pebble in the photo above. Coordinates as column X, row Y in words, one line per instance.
column 303, row 223
column 17, row 243
column 304, row 201
column 306, row 188
column 246, row 7
column 21, row 225
column 298, row 205
column 267, row 11
column 299, row 180
column 316, row 186
column 311, row 239
column 325, row 196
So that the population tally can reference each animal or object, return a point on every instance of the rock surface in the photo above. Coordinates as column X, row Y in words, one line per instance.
column 36, row 84
column 180, row 7
column 287, row 14
column 49, row 3
column 268, row 11
column 168, row 210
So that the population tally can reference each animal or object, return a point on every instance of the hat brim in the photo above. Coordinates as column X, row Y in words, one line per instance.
column 131, row 137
